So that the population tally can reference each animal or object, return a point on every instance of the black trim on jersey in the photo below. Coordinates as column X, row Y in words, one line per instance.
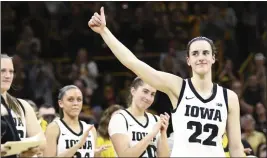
column 125, row 120
column 144, row 126
column 77, row 134
column 155, row 118
column 180, row 96
column 23, row 109
column 214, row 91
column 10, row 120
column 225, row 97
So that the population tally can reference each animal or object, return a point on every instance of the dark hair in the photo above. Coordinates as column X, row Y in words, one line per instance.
column 12, row 102
column 135, row 84
column 61, row 94
column 104, row 121
column 201, row 38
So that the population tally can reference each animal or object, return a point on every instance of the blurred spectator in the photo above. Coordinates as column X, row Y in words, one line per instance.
column 253, row 137
column 245, row 108
column 88, row 70
column 262, row 150
column 261, row 118
column 253, row 92
column 227, row 75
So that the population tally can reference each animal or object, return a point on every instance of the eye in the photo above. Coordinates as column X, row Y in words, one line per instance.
column 71, row 99
column 79, row 99
column 145, row 91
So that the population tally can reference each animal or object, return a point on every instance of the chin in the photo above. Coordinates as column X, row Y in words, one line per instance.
column 5, row 87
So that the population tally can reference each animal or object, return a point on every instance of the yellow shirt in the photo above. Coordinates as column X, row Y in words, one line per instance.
column 225, row 146
column 110, row 152
column 255, row 139
column 43, row 124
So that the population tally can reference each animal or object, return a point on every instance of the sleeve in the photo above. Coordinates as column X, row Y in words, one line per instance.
column 117, row 124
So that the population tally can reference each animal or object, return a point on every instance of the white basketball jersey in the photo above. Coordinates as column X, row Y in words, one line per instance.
column 68, row 138
column 198, row 123
column 20, row 121
column 136, row 131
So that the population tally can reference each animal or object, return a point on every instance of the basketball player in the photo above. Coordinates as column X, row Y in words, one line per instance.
column 68, row 136
column 135, row 132
column 102, row 130
column 23, row 116
column 202, row 110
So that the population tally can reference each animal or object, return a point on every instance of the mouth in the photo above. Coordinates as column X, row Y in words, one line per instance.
column 6, row 81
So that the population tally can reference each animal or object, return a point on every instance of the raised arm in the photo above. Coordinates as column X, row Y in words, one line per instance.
column 165, row 82
column 233, row 126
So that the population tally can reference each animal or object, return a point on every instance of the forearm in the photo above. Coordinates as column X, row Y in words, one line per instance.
column 139, row 148
column 237, row 152
column 119, row 50
column 163, row 147
column 70, row 152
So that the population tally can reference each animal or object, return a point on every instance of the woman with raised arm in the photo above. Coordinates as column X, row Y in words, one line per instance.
column 202, row 110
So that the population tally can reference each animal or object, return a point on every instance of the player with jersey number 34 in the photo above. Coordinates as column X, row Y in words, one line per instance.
column 202, row 110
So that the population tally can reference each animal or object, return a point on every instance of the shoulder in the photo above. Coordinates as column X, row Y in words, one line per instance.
column 232, row 96
column 25, row 104
column 52, row 128
column 155, row 117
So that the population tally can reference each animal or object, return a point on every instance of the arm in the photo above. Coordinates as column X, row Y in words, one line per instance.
column 96, row 153
column 33, row 127
column 151, row 76
column 121, row 141
column 233, row 126
column 163, row 149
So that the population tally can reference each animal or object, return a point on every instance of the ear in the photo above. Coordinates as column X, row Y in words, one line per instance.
column 60, row 103
column 133, row 91
column 213, row 59
column 188, row 61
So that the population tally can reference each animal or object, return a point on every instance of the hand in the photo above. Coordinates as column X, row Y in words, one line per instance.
column 98, row 22
column 102, row 148
column 4, row 150
column 157, row 127
column 165, row 122
column 247, row 150
column 84, row 136
column 31, row 152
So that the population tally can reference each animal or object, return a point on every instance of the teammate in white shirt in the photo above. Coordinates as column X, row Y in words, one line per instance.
column 22, row 113
column 135, row 132
column 206, row 132
column 68, row 136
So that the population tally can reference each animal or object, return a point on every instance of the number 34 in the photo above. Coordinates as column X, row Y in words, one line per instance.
column 209, row 141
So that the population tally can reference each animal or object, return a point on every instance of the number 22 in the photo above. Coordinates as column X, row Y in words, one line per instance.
column 209, row 141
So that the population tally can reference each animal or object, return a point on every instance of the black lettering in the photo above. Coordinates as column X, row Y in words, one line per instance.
column 206, row 113
column 139, row 136
column 187, row 110
column 67, row 144
column 194, row 111
column 217, row 116
column 133, row 139
column 20, row 122
column 87, row 155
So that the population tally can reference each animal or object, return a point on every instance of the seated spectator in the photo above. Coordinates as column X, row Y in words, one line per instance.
column 253, row 137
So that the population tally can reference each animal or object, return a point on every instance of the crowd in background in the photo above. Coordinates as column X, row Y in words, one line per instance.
column 52, row 46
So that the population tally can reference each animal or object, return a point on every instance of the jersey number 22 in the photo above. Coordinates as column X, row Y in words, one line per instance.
column 198, row 130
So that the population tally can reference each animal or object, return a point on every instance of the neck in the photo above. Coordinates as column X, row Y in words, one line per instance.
column 202, row 83
column 71, row 121
column 135, row 111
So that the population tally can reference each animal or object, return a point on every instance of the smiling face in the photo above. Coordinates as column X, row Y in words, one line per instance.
column 7, row 74
column 143, row 96
column 71, row 102
column 200, row 57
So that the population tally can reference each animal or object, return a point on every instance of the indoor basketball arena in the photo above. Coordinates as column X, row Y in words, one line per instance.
column 133, row 79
